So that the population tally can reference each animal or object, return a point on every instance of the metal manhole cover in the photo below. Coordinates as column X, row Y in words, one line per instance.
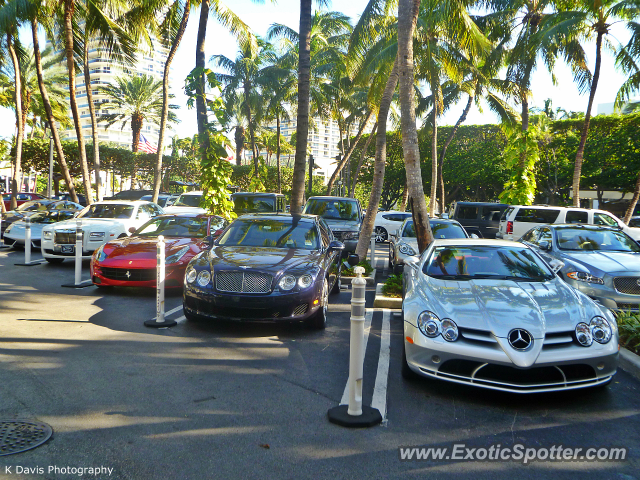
column 19, row 436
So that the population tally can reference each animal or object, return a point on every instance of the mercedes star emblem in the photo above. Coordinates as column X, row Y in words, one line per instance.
column 520, row 339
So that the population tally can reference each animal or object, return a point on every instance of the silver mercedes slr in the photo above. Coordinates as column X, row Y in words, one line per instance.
column 492, row 314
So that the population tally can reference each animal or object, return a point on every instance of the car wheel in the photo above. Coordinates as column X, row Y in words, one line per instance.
column 397, row 269
column 381, row 234
column 319, row 320
column 407, row 373
column 122, row 235
column 338, row 282
column 54, row 260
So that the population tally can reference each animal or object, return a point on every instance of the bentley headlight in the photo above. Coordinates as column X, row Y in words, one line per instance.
column 585, row 277
column 191, row 274
column 429, row 324
column 583, row 334
column 177, row 256
column 47, row 235
column 449, row 330
column 600, row 330
column 100, row 255
column 287, row 282
column 204, row 277
column 304, row 281
column 406, row 249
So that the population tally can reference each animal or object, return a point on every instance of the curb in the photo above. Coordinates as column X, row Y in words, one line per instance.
column 629, row 362
column 370, row 280
column 386, row 302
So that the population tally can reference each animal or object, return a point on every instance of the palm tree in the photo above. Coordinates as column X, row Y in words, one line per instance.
column 234, row 119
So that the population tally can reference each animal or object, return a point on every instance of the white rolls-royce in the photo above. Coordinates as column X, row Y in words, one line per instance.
column 101, row 222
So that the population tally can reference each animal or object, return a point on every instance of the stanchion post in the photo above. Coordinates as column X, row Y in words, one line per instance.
column 27, row 240
column 160, row 321
column 355, row 414
column 78, row 278
column 2, row 245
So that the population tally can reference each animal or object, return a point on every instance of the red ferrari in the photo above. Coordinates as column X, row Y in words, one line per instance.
column 131, row 261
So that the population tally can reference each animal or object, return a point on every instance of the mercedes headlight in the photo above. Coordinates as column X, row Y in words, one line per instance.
column 46, row 235
column 8, row 229
column 191, row 274
column 583, row 334
column 449, row 330
column 429, row 324
column 204, row 277
column 305, row 281
column 287, row 282
column 100, row 255
column 406, row 249
column 585, row 277
column 600, row 329
column 177, row 256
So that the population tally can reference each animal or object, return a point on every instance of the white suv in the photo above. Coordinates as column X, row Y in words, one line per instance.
column 519, row 219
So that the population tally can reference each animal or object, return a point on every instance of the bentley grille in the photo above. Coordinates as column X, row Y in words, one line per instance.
column 243, row 282
column 628, row 285
column 64, row 237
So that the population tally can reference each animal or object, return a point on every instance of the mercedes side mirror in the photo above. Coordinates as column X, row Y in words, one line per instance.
column 353, row 259
column 544, row 245
column 336, row 245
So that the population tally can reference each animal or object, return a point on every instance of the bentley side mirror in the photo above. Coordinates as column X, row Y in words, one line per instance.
column 353, row 259
column 132, row 229
column 544, row 245
column 336, row 245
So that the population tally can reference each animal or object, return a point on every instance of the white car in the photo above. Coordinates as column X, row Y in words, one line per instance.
column 519, row 219
column 387, row 223
column 188, row 202
column 101, row 222
column 15, row 234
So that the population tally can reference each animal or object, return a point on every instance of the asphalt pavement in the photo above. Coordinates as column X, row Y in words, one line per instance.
column 205, row 400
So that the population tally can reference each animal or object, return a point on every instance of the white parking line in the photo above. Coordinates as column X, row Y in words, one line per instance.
column 368, row 315
column 379, row 400
column 180, row 319
column 166, row 314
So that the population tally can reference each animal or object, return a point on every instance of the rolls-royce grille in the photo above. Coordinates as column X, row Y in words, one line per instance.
column 628, row 285
column 243, row 282
column 62, row 237
column 131, row 274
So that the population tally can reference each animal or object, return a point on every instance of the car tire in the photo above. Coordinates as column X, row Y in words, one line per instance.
column 407, row 373
column 54, row 261
column 397, row 269
column 319, row 319
column 122, row 235
column 336, row 286
column 381, row 234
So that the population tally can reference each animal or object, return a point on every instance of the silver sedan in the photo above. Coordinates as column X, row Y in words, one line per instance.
column 492, row 314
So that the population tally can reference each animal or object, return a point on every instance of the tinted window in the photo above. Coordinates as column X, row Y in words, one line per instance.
column 593, row 240
column 188, row 201
column 531, row 236
column 107, row 210
column 577, row 216
column 466, row 212
column 285, row 233
column 537, row 215
column 634, row 222
column 490, row 213
column 251, row 204
column 31, row 206
column 603, row 219
column 52, row 216
column 333, row 209
column 545, row 236
column 505, row 214
column 174, row 227
column 439, row 230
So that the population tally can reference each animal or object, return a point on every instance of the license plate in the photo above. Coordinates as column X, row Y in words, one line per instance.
column 68, row 248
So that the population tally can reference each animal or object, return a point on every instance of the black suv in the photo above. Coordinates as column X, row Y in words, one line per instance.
column 250, row 202
column 342, row 214
column 481, row 218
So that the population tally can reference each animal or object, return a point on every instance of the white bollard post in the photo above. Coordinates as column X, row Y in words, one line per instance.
column 27, row 240
column 160, row 274
column 2, row 245
column 372, row 251
column 78, row 278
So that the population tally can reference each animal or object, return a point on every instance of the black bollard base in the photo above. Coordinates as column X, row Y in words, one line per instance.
column 156, row 324
column 369, row 418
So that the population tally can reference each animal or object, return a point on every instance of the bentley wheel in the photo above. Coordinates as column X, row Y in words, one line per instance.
column 54, row 261
column 381, row 234
column 319, row 320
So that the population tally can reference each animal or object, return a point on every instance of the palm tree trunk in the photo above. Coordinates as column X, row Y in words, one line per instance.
column 201, row 106
column 304, row 70
column 165, row 99
column 346, row 157
column 278, row 152
column 380, row 162
column 407, row 15
column 405, row 198
column 461, row 120
column 18, row 99
column 47, row 107
column 434, row 162
column 363, row 154
column 585, row 128
column 252, row 135
column 69, row 7
column 634, row 202
column 94, row 121
column 239, row 139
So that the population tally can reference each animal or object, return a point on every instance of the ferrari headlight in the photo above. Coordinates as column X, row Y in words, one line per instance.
column 429, row 324
column 100, row 255
column 46, row 235
column 585, row 277
column 204, row 277
column 583, row 334
column 600, row 330
column 177, row 256
column 406, row 249
column 287, row 282
column 191, row 274
column 449, row 330
column 304, row 281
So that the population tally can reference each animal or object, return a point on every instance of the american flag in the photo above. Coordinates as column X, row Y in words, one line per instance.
column 145, row 146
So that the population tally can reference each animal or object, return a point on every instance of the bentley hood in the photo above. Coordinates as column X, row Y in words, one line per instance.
column 272, row 260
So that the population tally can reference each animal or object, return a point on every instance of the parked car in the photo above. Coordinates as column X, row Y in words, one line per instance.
column 634, row 222
column 481, row 218
column 132, row 261
column 492, row 314
column 22, row 197
column 82, row 200
column 101, row 222
column 132, row 195
column 34, row 206
column 164, row 200
column 519, row 219
column 343, row 215
column 601, row 262
column 387, row 223
column 266, row 267
column 188, row 202
column 15, row 234
column 403, row 243
column 252, row 202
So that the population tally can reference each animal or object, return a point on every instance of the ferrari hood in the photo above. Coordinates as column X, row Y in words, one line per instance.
column 137, row 248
